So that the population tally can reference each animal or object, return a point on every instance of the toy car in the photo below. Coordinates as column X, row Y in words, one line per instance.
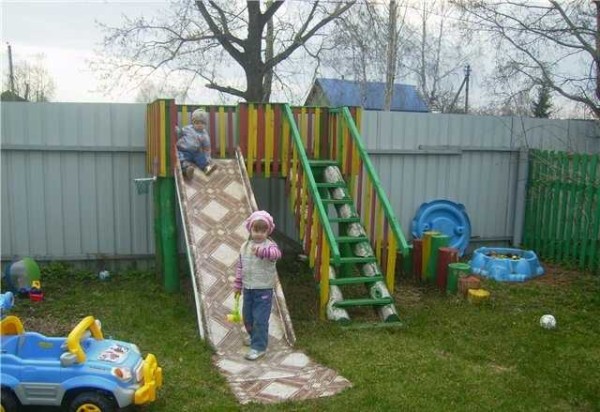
column 82, row 372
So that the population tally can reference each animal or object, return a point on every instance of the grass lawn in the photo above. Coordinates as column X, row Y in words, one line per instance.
column 448, row 355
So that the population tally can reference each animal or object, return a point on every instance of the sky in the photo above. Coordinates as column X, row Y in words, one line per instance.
column 66, row 33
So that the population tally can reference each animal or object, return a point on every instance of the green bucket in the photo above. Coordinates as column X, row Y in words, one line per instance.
column 455, row 271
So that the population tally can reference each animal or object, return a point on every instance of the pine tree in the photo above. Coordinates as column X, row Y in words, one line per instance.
column 541, row 107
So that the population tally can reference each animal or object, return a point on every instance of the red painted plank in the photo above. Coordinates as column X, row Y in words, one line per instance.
column 359, row 188
column 307, row 229
column 317, row 268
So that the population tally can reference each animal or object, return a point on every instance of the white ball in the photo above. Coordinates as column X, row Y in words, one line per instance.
column 548, row 322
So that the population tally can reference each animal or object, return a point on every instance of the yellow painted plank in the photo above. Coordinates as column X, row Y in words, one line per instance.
column 184, row 116
column 317, row 135
column 324, row 277
column 390, row 272
column 285, row 147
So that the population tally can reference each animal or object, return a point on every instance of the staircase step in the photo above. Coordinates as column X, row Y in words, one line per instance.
column 355, row 259
column 363, row 302
column 322, row 163
column 351, row 239
column 355, row 280
column 331, row 185
column 344, row 201
column 344, row 220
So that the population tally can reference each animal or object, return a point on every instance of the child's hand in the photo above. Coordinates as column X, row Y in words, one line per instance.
column 237, row 293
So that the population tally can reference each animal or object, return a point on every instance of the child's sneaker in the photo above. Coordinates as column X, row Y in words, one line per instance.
column 247, row 340
column 188, row 172
column 210, row 168
column 254, row 354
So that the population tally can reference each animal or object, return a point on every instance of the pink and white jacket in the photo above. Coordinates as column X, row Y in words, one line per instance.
column 256, row 265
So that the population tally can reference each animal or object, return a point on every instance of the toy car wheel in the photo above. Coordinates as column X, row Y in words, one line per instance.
column 92, row 402
column 10, row 403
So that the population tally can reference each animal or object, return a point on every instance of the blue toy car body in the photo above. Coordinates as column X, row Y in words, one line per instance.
column 83, row 372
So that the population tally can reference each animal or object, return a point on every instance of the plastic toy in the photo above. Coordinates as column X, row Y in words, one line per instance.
column 235, row 316
column 548, row 322
column 19, row 276
column 82, row 372
column 506, row 264
column 35, row 293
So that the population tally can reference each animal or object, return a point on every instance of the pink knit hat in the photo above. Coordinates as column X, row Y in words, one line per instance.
column 260, row 215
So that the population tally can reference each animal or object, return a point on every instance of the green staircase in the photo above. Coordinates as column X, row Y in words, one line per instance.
column 353, row 271
column 335, row 198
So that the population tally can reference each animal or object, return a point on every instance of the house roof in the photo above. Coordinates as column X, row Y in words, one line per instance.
column 371, row 95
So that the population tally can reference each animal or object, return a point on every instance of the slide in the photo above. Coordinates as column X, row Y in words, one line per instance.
column 213, row 210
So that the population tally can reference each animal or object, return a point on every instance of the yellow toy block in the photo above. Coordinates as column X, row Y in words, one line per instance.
column 478, row 295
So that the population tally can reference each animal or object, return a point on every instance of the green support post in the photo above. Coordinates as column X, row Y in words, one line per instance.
column 157, row 237
column 166, row 232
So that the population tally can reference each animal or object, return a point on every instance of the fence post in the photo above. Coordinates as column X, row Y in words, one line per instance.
column 521, row 195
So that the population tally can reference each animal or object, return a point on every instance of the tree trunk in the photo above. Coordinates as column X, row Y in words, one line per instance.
column 254, row 66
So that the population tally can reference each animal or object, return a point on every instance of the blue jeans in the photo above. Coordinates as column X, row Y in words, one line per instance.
column 256, row 313
column 199, row 158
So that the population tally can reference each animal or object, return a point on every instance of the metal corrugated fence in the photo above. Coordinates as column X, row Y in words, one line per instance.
column 68, row 170
column 473, row 160
column 67, row 182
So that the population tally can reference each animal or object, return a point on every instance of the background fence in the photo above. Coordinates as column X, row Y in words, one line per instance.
column 67, row 182
column 68, row 170
column 563, row 208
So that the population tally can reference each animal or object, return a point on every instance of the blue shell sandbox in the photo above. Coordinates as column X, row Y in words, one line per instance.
column 444, row 216
column 506, row 264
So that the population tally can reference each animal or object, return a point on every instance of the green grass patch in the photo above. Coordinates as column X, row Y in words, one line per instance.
column 447, row 355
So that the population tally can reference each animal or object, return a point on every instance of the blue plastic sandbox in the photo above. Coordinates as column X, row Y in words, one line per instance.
column 506, row 264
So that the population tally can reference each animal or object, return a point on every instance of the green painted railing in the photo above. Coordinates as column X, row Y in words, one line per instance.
column 311, row 216
column 372, row 204
column 562, row 217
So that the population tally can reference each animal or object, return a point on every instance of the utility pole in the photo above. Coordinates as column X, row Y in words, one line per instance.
column 10, row 69
column 467, row 74
column 392, row 52
column 464, row 83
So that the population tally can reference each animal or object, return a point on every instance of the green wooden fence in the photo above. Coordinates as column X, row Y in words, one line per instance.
column 562, row 217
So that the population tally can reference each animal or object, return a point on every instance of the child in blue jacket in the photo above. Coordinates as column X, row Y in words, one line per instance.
column 193, row 147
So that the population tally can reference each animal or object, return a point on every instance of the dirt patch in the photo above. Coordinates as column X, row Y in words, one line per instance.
column 556, row 275
column 49, row 325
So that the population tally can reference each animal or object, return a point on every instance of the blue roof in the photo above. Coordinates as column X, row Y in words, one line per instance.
column 350, row 93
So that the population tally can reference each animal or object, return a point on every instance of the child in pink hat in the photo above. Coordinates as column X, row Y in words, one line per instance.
column 255, row 275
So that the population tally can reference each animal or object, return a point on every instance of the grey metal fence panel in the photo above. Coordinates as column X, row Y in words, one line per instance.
column 67, row 181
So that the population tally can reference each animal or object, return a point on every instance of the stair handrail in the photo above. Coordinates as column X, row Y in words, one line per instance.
column 312, row 186
column 387, row 208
